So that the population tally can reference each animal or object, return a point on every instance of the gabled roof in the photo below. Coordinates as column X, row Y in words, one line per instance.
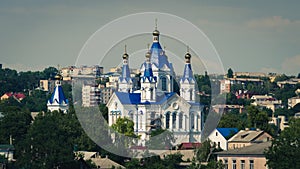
column 227, row 131
column 246, row 136
column 135, row 98
column 255, row 149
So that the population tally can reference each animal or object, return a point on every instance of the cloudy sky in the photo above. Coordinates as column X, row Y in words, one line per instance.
column 256, row 36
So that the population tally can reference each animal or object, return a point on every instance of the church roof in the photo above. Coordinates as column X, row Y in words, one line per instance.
column 58, row 96
column 125, row 74
column 188, row 73
column 135, row 98
column 158, row 56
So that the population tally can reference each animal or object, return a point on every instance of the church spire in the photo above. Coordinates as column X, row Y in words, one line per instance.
column 125, row 81
column 58, row 101
column 148, row 81
column 187, row 82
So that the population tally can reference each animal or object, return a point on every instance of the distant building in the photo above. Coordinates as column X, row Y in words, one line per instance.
column 249, row 74
column 18, row 96
column 47, row 85
column 58, row 101
column 90, row 95
column 289, row 82
column 225, row 108
column 105, row 94
column 280, row 121
column 7, row 150
column 297, row 115
column 225, row 86
column 220, row 136
column 73, row 71
column 266, row 101
column 251, row 157
column 293, row 101
column 248, row 137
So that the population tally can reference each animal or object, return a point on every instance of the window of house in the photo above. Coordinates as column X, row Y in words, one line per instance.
column 233, row 164
column 242, row 164
column 251, row 164
column 225, row 164
column 216, row 133
column 219, row 145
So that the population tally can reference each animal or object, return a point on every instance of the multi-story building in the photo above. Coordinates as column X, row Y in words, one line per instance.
column 90, row 95
column 266, row 101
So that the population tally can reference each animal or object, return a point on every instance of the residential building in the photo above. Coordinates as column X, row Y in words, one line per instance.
column 250, row 157
column 58, row 101
column 297, row 115
column 248, row 137
column 220, row 136
column 293, row 101
column 281, row 122
column 73, row 71
column 225, row 86
column 249, row 74
column 155, row 104
column 17, row 96
column 289, row 82
column 105, row 94
column 266, row 101
column 47, row 85
column 90, row 95
column 225, row 108
column 7, row 150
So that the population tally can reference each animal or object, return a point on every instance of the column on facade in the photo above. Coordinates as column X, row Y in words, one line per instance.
column 171, row 121
column 184, row 124
column 177, row 120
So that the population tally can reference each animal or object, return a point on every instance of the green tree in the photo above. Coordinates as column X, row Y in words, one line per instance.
column 284, row 151
column 229, row 73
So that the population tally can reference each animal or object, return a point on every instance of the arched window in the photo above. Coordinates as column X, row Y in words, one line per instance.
column 192, row 117
column 174, row 120
column 191, row 94
column 163, row 83
column 151, row 93
column 180, row 120
column 130, row 115
column 167, row 120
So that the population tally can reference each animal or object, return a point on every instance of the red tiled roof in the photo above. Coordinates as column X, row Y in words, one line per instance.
column 185, row 146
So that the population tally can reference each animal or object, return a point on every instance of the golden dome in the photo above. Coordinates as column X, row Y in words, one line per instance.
column 155, row 32
column 188, row 55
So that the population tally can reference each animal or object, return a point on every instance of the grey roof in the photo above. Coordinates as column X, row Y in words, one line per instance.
column 246, row 136
column 255, row 149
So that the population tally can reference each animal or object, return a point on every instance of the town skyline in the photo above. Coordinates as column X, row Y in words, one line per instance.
column 249, row 37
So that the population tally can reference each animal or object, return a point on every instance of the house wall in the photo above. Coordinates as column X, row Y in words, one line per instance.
column 259, row 162
column 217, row 138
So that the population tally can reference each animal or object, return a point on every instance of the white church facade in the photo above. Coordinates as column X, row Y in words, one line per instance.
column 156, row 104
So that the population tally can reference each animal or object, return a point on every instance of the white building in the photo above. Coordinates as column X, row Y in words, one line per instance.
column 220, row 136
column 90, row 95
column 58, row 101
column 266, row 101
column 156, row 104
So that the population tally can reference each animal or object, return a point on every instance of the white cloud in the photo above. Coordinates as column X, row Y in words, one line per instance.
column 271, row 22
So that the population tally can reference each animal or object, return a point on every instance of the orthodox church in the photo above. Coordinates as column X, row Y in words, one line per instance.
column 156, row 104
column 58, row 101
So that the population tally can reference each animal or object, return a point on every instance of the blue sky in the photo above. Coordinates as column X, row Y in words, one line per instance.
column 257, row 36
